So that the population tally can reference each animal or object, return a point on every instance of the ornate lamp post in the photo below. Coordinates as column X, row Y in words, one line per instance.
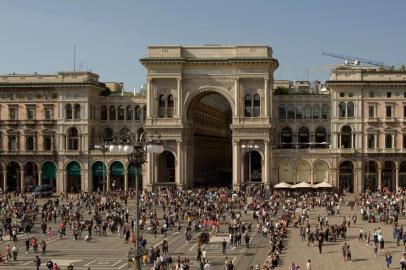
column 137, row 156
column 104, row 148
column 248, row 148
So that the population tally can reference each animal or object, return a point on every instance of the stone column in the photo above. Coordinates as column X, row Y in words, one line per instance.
column 126, row 180
column 397, row 176
column 147, row 178
column 236, row 164
column 108, row 186
column 180, row 98
column 4, row 180
column 150, row 98
column 39, row 177
column 266, row 178
column 236, row 97
column 22, row 180
column 295, row 175
column 266, row 98
column 311, row 176
column 379, row 177
column 178, row 164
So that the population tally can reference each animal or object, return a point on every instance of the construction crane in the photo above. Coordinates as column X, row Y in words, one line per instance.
column 357, row 60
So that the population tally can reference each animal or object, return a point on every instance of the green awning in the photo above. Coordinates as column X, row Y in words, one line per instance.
column 98, row 169
column 117, row 169
column 48, row 171
column 73, row 169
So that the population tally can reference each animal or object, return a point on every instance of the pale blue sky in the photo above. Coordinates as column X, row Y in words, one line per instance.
column 110, row 36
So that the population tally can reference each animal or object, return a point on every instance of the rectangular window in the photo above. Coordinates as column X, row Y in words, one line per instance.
column 404, row 111
column 12, row 113
column 12, row 143
column 371, row 94
column 404, row 94
column 389, row 111
column 48, row 143
column 29, row 143
column 388, row 141
column 371, row 111
column 404, row 141
column 49, row 113
column 30, row 113
column 371, row 141
column 388, row 94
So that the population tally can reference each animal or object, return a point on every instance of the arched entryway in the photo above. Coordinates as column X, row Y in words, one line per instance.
column 73, row 177
column 209, row 117
column 99, row 172
column 388, row 175
column 285, row 172
column 13, row 176
column 303, row 171
column 117, row 176
column 371, row 175
column 166, row 167
column 402, row 174
column 49, row 174
column 255, row 165
column 132, row 172
column 346, row 176
column 320, row 172
column 30, row 176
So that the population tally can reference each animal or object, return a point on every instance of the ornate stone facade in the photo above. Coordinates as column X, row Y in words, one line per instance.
column 208, row 103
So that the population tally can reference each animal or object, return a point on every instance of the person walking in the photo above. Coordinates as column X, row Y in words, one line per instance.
column 247, row 240
column 348, row 253
column 309, row 265
column 224, row 245
column 344, row 251
column 403, row 262
column 27, row 246
column 388, row 260
column 43, row 247
column 37, row 262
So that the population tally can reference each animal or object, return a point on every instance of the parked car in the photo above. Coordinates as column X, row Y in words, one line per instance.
column 43, row 191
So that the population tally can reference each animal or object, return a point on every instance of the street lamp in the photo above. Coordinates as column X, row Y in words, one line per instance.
column 137, row 156
column 248, row 148
column 104, row 148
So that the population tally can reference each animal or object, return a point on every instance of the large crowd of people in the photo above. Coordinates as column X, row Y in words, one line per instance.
column 199, row 214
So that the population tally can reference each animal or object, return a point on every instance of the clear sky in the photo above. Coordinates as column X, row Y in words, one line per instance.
column 110, row 36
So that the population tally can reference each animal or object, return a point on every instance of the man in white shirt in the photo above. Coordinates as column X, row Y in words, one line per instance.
column 309, row 265
column 207, row 266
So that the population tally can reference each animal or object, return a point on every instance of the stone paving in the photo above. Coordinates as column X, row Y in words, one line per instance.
column 331, row 257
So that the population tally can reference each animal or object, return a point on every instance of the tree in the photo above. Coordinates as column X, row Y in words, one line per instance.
column 281, row 90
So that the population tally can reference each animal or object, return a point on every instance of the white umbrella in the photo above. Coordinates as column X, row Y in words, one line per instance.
column 302, row 185
column 282, row 185
column 323, row 185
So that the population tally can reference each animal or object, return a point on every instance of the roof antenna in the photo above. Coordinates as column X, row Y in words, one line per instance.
column 74, row 58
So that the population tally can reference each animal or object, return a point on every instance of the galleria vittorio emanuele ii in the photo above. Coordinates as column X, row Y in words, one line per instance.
column 224, row 120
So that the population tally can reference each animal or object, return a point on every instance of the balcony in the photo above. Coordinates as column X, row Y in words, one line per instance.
column 346, row 151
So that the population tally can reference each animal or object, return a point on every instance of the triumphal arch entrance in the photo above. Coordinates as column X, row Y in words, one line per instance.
column 209, row 103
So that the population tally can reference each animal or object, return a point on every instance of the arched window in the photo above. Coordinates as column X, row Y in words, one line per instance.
column 350, row 109
column 316, row 111
column 291, row 111
column 282, row 112
column 77, row 111
column 324, row 111
column 161, row 109
column 286, row 138
column 321, row 137
column 30, row 143
column 129, row 113
column 120, row 113
column 257, row 105
column 341, row 109
column 112, row 112
column 303, row 137
column 137, row 113
column 68, row 111
column 299, row 111
column 308, row 111
column 388, row 141
column 248, row 105
column 73, row 139
column 107, row 135
column 103, row 113
column 170, row 106
column 346, row 137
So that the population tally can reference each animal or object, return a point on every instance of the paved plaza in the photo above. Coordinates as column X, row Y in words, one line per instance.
column 111, row 253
